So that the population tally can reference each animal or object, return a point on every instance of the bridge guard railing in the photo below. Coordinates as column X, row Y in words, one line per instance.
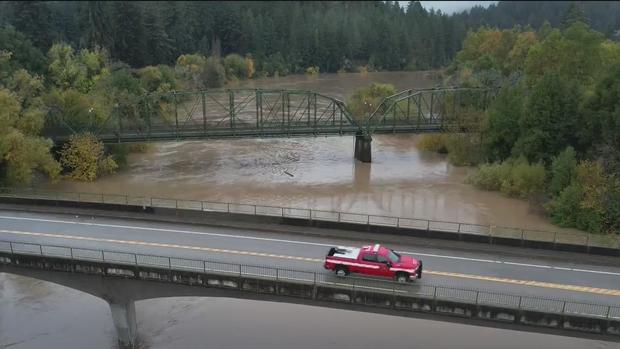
column 486, row 231
column 9, row 250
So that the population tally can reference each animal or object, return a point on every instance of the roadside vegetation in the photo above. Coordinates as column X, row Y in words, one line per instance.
column 552, row 134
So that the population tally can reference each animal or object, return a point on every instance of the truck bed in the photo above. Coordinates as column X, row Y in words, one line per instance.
column 344, row 252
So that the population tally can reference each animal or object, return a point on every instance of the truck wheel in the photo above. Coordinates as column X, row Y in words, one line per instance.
column 402, row 277
column 342, row 271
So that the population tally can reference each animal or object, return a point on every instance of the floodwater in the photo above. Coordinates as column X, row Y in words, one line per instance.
column 41, row 315
column 318, row 172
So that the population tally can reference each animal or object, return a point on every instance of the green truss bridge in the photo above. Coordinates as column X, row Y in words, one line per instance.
column 273, row 113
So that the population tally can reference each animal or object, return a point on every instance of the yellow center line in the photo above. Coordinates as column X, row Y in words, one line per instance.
column 574, row 288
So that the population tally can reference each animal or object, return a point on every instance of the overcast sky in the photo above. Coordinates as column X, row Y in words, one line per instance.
column 450, row 7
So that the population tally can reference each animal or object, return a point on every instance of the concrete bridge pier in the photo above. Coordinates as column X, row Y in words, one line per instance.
column 363, row 147
column 124, row 317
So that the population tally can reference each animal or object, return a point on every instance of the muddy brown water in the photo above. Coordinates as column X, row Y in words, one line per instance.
column 40, row 315
column 318, row 173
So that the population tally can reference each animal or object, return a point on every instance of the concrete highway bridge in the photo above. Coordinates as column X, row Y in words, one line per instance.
column 126, row 260
column 244, row 113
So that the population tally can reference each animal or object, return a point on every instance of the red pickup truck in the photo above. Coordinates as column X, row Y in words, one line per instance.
column 374, row 260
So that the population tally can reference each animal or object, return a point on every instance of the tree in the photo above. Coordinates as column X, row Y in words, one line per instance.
column 563, row 170
column 573, row 15
column 600, row 121
column 23, row 53
column 550, row 120
column 81, row 71
column 158, row 44
column 22, row 151
column 501, row 130
column 33, row 18
column 96, row 25
column 129, row 36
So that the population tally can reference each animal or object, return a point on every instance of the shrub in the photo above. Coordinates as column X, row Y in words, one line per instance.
column 313, row 70
column 365, row 100
column 463, row 149
column 490, row 176
column 513, row 177
column 435, row 142
column 235, row 67
column 563, row 170
column 524, row 179
column 84, row 157
column 213, row 75
column 249, row 63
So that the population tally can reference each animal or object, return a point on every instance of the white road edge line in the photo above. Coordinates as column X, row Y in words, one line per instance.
column 303, row 243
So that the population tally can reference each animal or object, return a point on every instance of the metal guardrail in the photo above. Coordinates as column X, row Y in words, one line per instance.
column 431, row 292
column 489, row 231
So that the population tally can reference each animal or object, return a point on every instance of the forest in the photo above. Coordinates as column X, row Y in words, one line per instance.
column 551, row 136
column 281, row 37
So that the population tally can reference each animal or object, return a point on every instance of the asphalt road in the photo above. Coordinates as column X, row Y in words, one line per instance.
column 582, row 278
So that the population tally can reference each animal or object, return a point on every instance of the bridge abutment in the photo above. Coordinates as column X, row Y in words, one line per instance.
column 124, row 317
column 363, row 148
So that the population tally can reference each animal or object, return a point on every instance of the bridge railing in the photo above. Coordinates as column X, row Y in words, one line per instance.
column 210, row 113
column 11, row 249
column 474, row 230
column 428, row 109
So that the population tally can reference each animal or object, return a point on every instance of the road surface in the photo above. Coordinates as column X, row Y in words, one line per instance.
column 547, row 274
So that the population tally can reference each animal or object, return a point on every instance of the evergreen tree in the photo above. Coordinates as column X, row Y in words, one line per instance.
column 129, row 36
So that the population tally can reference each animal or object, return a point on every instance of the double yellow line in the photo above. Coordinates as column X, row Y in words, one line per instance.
column 574, row 288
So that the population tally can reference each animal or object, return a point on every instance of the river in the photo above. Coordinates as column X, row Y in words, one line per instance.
column 318, row 173
column 40, row 315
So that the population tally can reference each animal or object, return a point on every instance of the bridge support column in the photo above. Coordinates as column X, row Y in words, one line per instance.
column 363, row 147
column 124, row 317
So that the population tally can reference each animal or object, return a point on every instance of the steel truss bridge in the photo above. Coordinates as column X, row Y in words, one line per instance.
column 248, row 113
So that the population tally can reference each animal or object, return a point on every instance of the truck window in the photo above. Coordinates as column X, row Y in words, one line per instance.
column 394, row 257
column 369, row 257
column 382, row 259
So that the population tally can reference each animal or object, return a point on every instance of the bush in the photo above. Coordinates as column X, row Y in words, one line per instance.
column 490, row 176
column 563, row 170
column 524, row 179
column 84, row 157
column 249, row 63
column 213, row 75
column 365, row 100
column 313, row 70
column 435, row 142
column 515, row 178
column 235, row 67
column 463, row 149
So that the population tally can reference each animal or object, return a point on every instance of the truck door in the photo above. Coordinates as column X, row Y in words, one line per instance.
column 385, row 269
column 374, row 267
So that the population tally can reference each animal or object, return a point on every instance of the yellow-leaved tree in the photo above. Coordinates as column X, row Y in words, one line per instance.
column 85, row 158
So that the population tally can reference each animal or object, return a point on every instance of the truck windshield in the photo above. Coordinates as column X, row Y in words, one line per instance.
column 394, row 257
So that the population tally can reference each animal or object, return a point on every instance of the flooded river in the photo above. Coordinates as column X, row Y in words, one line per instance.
column 40, row 315
column 318, row 173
